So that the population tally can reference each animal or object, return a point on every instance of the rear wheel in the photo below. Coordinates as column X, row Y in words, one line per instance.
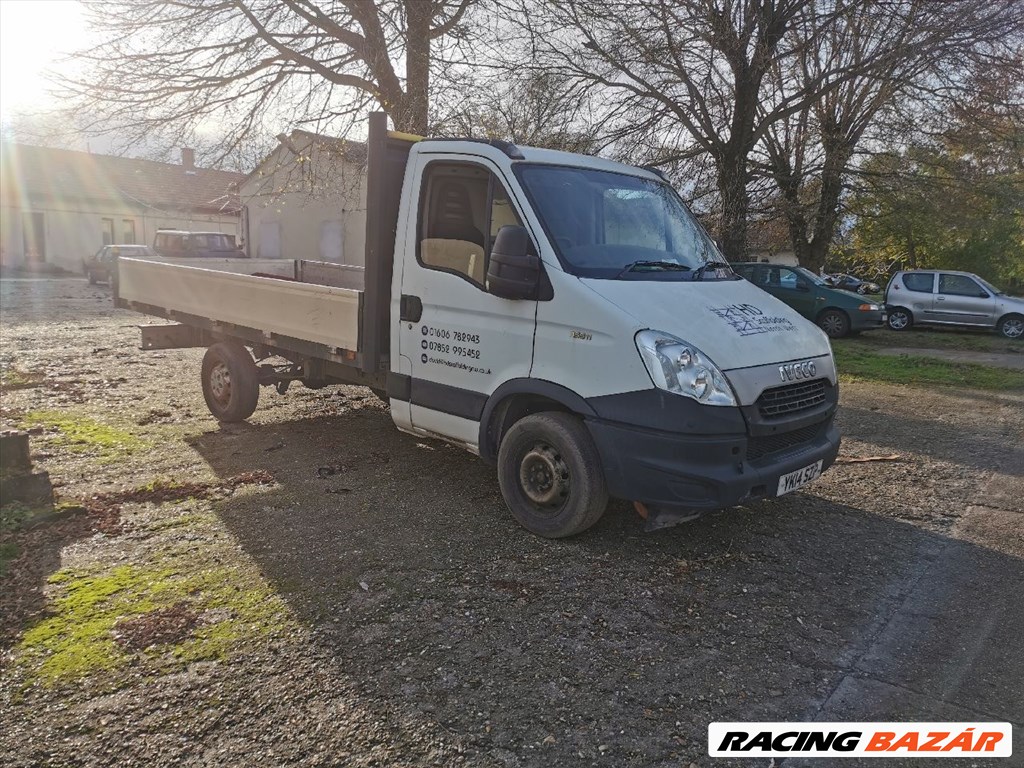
column 834, row 323
column 92, row 277
column 230, row 381
column 900, row 319
column 1012, row 326
column 550, row 475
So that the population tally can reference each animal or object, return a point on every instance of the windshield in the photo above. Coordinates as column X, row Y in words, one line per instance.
column 816, row 279
column 613, row 225
column 988, row 286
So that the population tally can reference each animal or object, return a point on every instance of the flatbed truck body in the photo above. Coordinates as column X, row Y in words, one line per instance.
column 564, row 317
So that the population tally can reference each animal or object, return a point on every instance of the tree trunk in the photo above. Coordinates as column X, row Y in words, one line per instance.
column 412, row 114
column 732, row 186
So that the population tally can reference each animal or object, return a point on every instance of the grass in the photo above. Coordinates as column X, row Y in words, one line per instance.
column 857, row 360
column 941, row 338
column 83, row 434
column 76, row 639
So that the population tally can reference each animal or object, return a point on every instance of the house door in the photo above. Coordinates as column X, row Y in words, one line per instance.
column 34, row 229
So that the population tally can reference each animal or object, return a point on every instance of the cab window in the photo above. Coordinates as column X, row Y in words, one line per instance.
column 463, row 207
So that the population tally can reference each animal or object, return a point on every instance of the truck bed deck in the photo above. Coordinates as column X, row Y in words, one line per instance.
column 309, row 301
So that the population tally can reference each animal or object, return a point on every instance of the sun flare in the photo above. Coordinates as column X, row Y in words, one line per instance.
column 35, row 36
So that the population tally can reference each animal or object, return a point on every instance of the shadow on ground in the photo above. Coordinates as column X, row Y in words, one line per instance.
column 399, row 556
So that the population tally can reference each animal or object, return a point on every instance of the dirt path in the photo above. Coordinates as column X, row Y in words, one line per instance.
column 374, row 604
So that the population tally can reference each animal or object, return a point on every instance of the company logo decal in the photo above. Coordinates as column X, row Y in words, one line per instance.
column 748, row 320
column 860, row 739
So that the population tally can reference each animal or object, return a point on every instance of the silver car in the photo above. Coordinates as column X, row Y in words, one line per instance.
column 945, row 297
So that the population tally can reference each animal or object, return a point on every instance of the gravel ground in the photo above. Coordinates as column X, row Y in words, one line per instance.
column 315, row 588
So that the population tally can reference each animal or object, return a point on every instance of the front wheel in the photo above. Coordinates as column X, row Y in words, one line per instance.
column 92, row 277
column 900, row 319
column 1012, row 327
column 834, row 323
column 550, row 475
column 230, row 380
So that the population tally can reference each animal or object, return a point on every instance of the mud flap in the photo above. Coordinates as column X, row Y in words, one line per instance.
column 658, row 516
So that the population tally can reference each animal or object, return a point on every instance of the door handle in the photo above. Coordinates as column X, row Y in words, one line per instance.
column 940, row 298
column 410, row 308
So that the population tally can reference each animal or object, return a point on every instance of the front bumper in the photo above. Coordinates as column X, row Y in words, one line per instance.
column 738, row 459
column 865, row 321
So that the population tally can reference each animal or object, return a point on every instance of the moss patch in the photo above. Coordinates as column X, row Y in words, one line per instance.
column 78, row 638
column 9, row 552
column 13, row 515
column 82, row 434
column 15, row 378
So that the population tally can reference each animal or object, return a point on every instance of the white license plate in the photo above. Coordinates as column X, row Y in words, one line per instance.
column 884, row 317
column 793, row 480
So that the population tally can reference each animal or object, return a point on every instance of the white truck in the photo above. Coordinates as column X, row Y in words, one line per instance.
column 562, row 316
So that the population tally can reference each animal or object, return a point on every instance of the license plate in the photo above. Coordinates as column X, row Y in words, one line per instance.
column 884, row 317
column 799, row 478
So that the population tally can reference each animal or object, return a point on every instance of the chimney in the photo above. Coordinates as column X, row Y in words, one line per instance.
column 188, row 158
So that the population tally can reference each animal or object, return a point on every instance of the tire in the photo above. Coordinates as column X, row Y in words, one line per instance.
column 1011, row 327
column 834, row 323
column 550, row 475
column 230, row 382
column 900, row 319
column 92, row 277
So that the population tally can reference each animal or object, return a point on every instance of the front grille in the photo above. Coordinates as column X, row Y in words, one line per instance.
column 758, row 447
column 791, row 398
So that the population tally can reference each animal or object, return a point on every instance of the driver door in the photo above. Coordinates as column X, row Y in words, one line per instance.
column 458, row 341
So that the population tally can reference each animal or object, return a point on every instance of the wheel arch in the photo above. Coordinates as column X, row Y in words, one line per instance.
column 517, row 398
column 832, row 308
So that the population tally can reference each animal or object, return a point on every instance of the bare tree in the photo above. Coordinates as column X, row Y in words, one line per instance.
column 533, row 108
column 178, row 66
column 682, row 73
column 869, row 58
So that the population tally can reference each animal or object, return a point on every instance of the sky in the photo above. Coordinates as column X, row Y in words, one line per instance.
column 34, row 35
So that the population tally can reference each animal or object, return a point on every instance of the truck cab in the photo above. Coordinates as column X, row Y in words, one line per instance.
column 532, row 285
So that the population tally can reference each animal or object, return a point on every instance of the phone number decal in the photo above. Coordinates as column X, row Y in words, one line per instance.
column 438, row 341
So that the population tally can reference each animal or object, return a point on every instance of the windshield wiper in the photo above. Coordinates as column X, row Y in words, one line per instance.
column 669, row 265
column 699, row 272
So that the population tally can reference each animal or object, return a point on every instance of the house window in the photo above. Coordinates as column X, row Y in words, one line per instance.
column 108, row 231
column 129, row 231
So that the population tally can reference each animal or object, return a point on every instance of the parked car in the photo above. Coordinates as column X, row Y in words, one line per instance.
column 180, row 244
column 97, row 267
column 838, row 313
column 853, row 284
column 945, row 297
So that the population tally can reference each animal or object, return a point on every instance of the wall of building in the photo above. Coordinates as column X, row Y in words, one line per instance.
column 311, row 209
column 784, row 257
column 71, row 231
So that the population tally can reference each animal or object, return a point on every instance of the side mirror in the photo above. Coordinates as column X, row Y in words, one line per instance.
column 982, row 295
column 513, row 272
column 802, row 285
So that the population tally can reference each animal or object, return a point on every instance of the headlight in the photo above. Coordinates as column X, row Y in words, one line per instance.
column 679, row 367
column 869, row 307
